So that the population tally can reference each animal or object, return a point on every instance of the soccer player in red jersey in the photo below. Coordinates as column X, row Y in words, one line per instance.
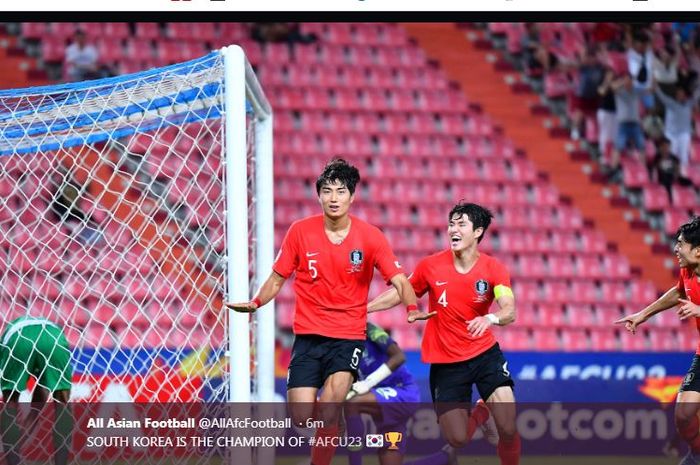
column 686, row 294
column 333, row 256
column 461, row 283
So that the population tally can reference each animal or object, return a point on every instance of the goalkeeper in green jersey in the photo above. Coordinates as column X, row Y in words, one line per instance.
column 36, row 347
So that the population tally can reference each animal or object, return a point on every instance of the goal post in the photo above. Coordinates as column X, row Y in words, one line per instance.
column 131, row 209
column 237, row 96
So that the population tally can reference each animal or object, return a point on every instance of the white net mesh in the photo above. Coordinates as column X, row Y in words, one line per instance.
column 112, row 225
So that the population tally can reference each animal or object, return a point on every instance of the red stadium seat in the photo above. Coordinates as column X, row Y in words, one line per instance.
column 545, row 194
column 642, row 292
column 604, row 339
column 556, row 85
column 137, row 50
column 514, row 338
column 593, row 241
column 634, row 174
column 63, row 30
column 528, row 291
column 53, row 49
column 547, row 339
column 34, row 30
column 580, row 315
column 531, row 265
column 574, row 340
column 147, row 31
column 583, row 290
column 634, row 342
column 613, row 292
column 655, row 199
column 98, row 336
column 664, row 339
column 110, row 50
column 116, row 30
column 616, row 266
column 552, row 316
column 673, row 219
column 607, row 314
column 234, row 32
column 684, row 197
column 588, row 266
column 561, row 266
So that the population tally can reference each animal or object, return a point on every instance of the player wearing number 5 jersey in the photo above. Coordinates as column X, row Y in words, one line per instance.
column 461, row 284
column 333, row 257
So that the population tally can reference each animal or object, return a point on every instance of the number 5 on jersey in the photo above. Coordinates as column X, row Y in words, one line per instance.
column 355, row 361
column 312, row 269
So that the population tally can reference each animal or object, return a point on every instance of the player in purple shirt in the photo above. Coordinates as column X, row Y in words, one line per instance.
column 386, row 391
column 383, row 366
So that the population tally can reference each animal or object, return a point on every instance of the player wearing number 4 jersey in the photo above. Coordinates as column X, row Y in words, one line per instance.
column 333, row 256
column 462, row 283
column 685, row 294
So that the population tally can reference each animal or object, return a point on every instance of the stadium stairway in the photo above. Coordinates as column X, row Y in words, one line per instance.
column 511, row 107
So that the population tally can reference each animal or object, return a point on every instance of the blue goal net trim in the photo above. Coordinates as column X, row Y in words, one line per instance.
column 48, row 118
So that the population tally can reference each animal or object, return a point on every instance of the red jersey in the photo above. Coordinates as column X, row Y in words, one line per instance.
column 458, row 298
column 332, row 280
column 689, row 286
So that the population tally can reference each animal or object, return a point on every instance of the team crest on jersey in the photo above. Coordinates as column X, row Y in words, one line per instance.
column 356, row 258
column 481, row 287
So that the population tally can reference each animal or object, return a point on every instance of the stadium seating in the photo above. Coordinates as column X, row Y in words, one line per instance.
column 366, row 92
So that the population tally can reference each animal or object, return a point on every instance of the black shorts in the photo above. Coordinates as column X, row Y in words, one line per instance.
column 451, row 383
column 315, row 358
column 691, row 382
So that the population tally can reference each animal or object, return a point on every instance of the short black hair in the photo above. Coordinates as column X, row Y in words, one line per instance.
column 478, row 215
column 690, row 232
column 338, row 170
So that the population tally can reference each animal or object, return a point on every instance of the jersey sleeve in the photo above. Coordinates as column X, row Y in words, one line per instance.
column 287, row 258
column 680, row 285
column 500, row 280
column 418, row 279
column 380, row 337
column 384, row 258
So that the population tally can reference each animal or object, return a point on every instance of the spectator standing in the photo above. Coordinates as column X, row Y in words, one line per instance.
column 81, row 59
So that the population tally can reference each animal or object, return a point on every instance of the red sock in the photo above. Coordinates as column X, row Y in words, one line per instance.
column 509, row 450
column 323, row 452
column 691, row 434
column 477, row 417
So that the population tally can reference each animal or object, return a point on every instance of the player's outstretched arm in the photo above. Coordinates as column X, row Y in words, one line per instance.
column 267, row 292
column 408, row 296
column 670, row 298
column 688, row 309
column 386, row 300
column 504, row 316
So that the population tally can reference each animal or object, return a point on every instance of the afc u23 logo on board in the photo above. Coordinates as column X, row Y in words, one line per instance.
column 356, row 258
column 481, row 287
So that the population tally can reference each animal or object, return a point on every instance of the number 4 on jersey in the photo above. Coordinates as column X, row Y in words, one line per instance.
column 443, row 298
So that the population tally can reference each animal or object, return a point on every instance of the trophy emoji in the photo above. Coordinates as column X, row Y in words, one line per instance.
column 393, row 437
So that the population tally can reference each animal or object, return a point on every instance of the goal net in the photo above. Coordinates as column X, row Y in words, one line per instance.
column 131, row 208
